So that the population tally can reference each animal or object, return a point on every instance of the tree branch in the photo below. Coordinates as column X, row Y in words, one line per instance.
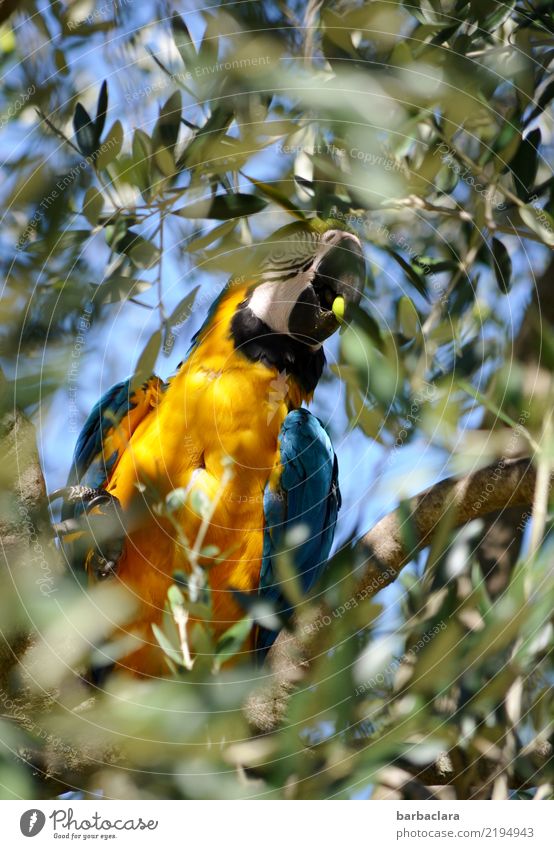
column 469, row 778
column 453, row 767
column 21, row 519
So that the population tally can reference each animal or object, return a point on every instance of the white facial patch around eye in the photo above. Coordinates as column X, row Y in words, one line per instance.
column 273, row 302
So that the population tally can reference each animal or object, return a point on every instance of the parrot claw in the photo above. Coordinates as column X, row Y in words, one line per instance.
column 109, row 538
column 100, row 519
column 102, row 568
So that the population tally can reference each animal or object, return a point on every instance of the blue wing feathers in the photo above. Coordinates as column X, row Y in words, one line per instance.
column 89, row 466
column 307, row 495
column 110, row 423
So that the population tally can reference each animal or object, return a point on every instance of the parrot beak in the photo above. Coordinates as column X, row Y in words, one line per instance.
column 336, row 289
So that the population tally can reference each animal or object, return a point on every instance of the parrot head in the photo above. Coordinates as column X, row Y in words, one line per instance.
column 308, row 278
column 311, row 273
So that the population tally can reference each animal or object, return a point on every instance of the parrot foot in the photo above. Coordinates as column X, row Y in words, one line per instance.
column 99, row 517
column 100, row 567
column 104, row 518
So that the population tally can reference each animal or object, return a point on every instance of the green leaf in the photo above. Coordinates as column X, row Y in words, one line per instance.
column 61, row 62
column 147, row 360
column 539, row 221
column 167, row 126
column 525, row 163
column 216, row 126
column 67, row 239
column 355, row 352
column 208, row 51
column 29, row 389
column 501, row 12
column 101, row 110
column 232, row 641
column 178, row 316
column 211, row 236
column 165, row 162
column 165, row 644
column 210, row 551
column 505, row 144
column 141, row 151
column 414, row 276
column 369, row 419
column 183, row 308
column 93, row 204
column 407, row 525
column 502, row 265
column 523, row 80
column 277, row 197
column 183, row 40
column 85, row 131
column 176, row 499
column 175, row 597
column 141, row 252
column 110, row 147
column 223, row 207
column 482, row 8
column 436, row 265
column 118, row 288
column 200, row 503
column 360, row 318
column 407, row 317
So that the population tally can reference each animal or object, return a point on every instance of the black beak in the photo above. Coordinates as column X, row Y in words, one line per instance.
column 335, row 290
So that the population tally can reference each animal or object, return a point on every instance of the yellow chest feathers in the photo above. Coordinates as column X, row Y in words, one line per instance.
column 214, row 436
column 217, row 426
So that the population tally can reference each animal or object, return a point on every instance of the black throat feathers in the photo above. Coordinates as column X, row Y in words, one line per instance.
column 253, row 338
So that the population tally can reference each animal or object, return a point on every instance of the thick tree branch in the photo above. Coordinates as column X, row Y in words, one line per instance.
column 506, row 483
column 383, row 552
column 22, row 515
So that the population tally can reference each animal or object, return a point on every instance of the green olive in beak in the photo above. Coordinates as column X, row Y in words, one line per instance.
column 339, row 307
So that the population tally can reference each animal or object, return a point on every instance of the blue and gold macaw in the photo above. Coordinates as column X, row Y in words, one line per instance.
column 238, row 395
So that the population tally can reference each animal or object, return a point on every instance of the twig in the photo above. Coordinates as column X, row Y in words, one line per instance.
column 181, row 617
column 57, row 132
column 542, row 488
